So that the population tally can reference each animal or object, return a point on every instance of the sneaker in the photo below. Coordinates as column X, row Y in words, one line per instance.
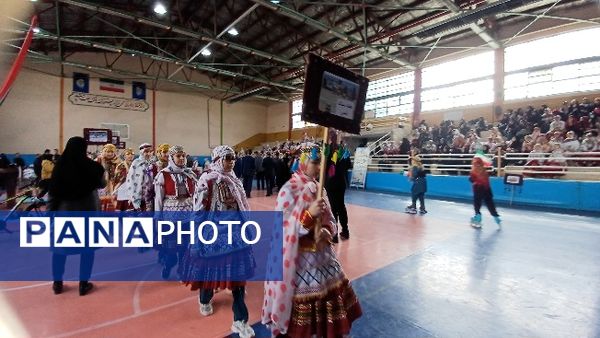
column 410, row 210
column 242, row 328
column 206, row 309
column 422, row 211
column 344, row 235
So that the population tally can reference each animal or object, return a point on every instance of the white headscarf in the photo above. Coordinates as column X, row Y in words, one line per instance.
column 135, row 177
column 217, row 173
column 174, row 168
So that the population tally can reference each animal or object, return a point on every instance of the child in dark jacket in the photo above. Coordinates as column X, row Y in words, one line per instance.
column 482, row 192
column 419, row 187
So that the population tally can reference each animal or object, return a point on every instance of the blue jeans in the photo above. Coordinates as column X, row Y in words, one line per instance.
column 240, row 311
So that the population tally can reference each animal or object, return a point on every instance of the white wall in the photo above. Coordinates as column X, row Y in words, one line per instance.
column 278, row 117
column 29, row 117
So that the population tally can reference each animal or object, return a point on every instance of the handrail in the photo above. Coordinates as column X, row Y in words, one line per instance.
column 573, row 165
column 377, row 141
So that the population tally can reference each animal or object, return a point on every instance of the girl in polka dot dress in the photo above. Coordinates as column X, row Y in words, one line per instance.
column 315, row 297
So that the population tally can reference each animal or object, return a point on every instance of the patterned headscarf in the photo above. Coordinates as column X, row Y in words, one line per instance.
column 218, row 174
column 218, row 154
column 144, row 146
column 172, row 167
column 128, row 151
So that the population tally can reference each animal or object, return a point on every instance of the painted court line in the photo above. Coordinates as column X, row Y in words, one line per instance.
column 122, row 319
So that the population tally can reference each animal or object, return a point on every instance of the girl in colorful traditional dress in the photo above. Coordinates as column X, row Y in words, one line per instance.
column 219, row 190
column 140, row 180
column 109, row 161
column 120, row 186
column 174, row 192
column 315, row 298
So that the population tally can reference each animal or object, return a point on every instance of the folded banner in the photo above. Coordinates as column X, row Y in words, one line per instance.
column 133, row 246
column 81, row 83
column 138, row 90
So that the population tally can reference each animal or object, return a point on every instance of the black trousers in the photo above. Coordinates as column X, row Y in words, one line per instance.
column 247, row 182
column 338, row 207
column 270, row 180
column 240, row 311
column 421, row 197
column 260, row 180
column 484, row 195
column 86, row 262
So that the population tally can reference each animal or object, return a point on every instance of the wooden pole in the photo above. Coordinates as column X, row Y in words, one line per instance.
column 61, row 114
column 321, row 180
column 499, row 162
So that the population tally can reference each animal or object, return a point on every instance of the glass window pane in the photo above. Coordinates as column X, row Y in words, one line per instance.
column 564, row 47
column 465, row 94
column 572, row 78
column 470, row 67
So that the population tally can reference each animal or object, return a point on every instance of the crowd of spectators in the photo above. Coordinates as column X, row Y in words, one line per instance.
column 571, row 128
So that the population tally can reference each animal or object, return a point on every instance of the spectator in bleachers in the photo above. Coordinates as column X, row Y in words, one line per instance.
column 528, row 144
column 557, row 124
column 545, row 145
column 570, row 143
column 589, row 143
column 556, row 137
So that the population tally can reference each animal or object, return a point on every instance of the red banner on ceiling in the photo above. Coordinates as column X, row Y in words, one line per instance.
column 16, row 67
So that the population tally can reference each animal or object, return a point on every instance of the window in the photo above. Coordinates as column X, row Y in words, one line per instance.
column 391, row 85
column 391, row 96
column 464, row 94
column 448, row 85
column 559, row 48
column 297, row 122
column 576, row 77
column 470, row 67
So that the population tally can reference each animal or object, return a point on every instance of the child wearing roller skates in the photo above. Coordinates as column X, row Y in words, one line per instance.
column 419, row 187
column 482, row 192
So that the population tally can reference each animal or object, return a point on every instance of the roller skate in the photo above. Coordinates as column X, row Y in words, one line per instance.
column 410, row 210
column 498, row 221
column 476, row 221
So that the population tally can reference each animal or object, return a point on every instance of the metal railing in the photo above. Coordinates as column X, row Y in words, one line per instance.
column 379, row 142
column 572, row 165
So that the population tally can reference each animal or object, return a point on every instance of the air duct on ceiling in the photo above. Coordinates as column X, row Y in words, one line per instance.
column 250, row 93
column 470, row 17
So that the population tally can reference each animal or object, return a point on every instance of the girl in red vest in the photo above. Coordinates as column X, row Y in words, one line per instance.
column 482, row 192
column 174, row 191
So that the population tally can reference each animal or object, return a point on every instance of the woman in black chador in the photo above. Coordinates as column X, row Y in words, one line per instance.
column 74, row 187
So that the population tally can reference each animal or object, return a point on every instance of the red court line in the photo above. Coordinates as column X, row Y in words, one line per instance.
column 159, row 309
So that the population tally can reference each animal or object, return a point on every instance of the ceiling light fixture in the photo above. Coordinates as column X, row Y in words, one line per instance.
column 233, row 31
column 160, row 9
column 206, row 52
column 36, row 30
